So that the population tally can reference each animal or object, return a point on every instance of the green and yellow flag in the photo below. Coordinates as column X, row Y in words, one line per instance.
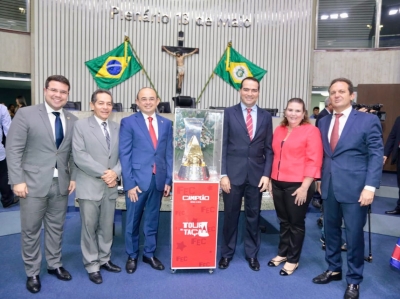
column 114, row 67
column 233, row 68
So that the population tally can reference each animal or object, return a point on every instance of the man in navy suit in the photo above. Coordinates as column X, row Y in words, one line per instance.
column 392, row 147
column 246, row 167
column 145, row 152
column 351, row 172
column 325, row 112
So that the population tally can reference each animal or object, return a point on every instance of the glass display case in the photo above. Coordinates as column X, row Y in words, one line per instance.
column 197, row 144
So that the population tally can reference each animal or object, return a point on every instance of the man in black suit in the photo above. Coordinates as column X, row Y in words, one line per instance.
column 246, row 168
column 328, row 110
column 392, row 147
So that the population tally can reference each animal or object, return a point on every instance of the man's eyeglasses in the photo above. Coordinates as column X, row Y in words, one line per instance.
column 53, row 90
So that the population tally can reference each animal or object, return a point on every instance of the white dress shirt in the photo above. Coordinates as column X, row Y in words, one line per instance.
column 52, row 119
column 153, row 122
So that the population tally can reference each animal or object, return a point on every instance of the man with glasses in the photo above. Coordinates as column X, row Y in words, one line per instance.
column 41, row 170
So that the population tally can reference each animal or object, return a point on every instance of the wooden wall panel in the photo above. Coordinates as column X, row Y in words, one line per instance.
column 389, row 96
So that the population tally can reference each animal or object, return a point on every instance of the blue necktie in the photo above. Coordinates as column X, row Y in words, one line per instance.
column 58, row 129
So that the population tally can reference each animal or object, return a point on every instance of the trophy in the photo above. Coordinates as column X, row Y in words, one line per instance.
column 193, row 167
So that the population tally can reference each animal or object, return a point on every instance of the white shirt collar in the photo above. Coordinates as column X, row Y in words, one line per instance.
column 100, row 121
column 345, row 112
column 51, row 110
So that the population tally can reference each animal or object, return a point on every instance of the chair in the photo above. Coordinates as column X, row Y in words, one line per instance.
column 117, row 107
column 273, row 111
column 184, row 102
column 134, row 108
column 217, row 108
column 164, row 107
column 73, row 106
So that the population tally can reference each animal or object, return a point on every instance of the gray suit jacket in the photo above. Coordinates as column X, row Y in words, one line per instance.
column 92, row 158
column 32, row 153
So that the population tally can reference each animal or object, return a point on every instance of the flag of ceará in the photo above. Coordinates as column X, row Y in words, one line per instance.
column 233, row 68
column 113, row 67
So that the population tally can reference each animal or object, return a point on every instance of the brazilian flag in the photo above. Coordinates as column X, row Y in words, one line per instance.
column 233, row 68
column 114, row 67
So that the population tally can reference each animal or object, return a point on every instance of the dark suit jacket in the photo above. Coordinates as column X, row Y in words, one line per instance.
column 137, row 154
column 321, row 115
column 357, row 159
column 242, row 158
column 393, row 141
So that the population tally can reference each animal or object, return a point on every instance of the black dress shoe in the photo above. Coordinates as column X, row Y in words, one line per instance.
column 393, row 212
column 96, row 277
column 33, row 284
column 12, row 203
column 131, row 265
column 352, row 291
column 153, row 262
column 110, row 267
column 224, row 262
column 327, row 277
column 61, row 273
column 253, row 264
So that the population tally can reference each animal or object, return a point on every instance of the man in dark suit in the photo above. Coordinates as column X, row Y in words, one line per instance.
column 145, row 152
column 392, row 147
column 42, row 172
column 95, row 150
column 352, row 170
column 325, row 112
column 246, row 167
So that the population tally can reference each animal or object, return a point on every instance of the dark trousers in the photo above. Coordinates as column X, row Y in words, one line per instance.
column 291, row 218
column 355, row 218
column 398, row 177
column 150, row 202
column 7, row 195
column 232, row 206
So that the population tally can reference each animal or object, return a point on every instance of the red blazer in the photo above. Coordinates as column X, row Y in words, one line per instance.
column 299, row 156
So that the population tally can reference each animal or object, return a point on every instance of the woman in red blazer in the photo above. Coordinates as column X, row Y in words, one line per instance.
column 297, row 147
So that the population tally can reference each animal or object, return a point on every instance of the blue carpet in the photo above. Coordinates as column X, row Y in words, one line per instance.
column 238, row 281
column 11, row 223
column 389, row 179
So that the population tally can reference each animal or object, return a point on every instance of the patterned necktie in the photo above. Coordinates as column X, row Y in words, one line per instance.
column 58, row 129
column 153, row 138
column 249, row 123
column 106, row 134
column 335, row 131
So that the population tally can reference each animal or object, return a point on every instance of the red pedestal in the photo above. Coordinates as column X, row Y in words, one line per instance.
column 194, row 225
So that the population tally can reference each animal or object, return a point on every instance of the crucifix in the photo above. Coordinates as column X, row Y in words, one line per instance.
column 180, row 52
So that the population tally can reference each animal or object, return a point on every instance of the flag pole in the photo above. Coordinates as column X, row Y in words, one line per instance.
column 212, row 74
column 140, row 63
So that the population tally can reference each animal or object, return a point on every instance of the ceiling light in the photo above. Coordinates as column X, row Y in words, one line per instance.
column 324, row 17
column 344, row 15
column 369, row 26
column 393, row 12
column 325, row 93
column 334, row 16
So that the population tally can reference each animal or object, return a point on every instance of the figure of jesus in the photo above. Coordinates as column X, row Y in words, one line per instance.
column 180, row 64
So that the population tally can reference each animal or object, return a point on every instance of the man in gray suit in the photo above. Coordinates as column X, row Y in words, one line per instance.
column 95, row 151
column 41, row 170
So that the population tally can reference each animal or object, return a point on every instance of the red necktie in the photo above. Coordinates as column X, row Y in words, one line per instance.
column 249, row 123
column 153, row 139
column 335, row 131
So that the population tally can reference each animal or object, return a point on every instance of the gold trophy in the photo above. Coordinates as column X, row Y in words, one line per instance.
column 193, row 167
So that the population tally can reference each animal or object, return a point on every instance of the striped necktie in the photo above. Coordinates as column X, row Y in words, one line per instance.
column 249, row 123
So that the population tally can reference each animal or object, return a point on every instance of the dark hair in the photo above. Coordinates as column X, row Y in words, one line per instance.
column 305, row 120
column 21, row 101
column 252, row 79
column 345, row 80
column 9, row 106
column 57, row 78
column 94, row 95
column 316, row 107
